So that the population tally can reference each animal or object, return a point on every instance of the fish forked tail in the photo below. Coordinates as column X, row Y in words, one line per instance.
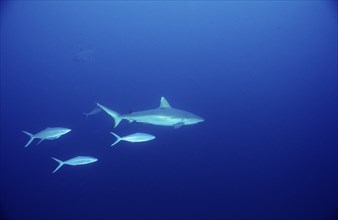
column 118, row 138
column 31, row 138
column 61, row 163
column 86, row 114
column 116, row 116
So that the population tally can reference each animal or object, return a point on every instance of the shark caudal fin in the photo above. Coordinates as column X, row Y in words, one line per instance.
column 31, row 137
column 116, row 116
column 118, row 138
column 60, row 164
column 86, row 114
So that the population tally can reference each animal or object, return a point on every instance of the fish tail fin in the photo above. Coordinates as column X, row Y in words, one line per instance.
column 86, row 114
column 118, row 138
column 60, row 164
column 31, row 137
column 116, row 116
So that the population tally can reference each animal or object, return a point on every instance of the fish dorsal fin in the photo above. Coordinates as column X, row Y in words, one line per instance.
column 164, row 103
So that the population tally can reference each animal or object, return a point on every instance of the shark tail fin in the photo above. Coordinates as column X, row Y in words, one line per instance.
column 60, row 164
column 118, row 138
column 116, row 116
column 31, row 137
column 86, row 114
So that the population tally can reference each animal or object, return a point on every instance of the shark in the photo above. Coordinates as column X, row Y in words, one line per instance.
column 93, row 112
column 47, row 134
column 79, row 160
column 136, row 137
column 164, row 115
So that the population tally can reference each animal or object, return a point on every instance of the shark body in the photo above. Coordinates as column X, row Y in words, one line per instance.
column 164, row 115
column 93, row 112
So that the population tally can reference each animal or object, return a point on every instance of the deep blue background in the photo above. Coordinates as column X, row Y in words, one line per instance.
column 263, row 75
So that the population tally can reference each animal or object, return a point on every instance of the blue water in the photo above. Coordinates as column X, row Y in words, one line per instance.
column 262, row 74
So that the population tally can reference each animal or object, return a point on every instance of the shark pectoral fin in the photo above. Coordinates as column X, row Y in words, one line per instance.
column 40, row 141
column 178, row 125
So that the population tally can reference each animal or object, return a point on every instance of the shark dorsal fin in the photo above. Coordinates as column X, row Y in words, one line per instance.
column 164, row 103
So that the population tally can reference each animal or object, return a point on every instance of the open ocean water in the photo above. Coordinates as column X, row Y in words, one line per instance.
column 262, row 75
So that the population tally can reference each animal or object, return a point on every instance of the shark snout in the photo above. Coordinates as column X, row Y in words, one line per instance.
column 196, row 119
